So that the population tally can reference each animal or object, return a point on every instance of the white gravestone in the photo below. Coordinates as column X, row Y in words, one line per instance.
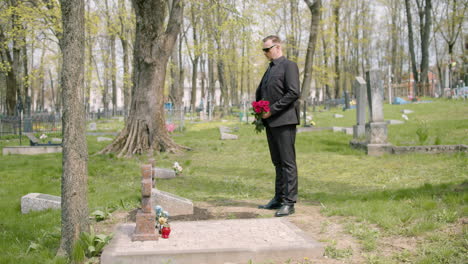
column 39, row 202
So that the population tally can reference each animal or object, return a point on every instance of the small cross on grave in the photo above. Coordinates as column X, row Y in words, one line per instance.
column 146, row 217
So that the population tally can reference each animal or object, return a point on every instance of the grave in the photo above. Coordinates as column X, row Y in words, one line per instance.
column 212, row 241
column 31, row 150
column 160, row 173
column 92, row 126
column 406, row 111
column 39, row 202
column 224, row 129
column 338, row 116
column 347, row 130
column 262, row 240
column 225, row 133
column 174, row 204
column 101, row 139
column 395, row 122
column 33, row 141
column 376, row 129
column 359, row 87
column 337, row 129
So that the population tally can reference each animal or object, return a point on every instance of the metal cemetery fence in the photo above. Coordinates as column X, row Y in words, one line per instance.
column 43, row 122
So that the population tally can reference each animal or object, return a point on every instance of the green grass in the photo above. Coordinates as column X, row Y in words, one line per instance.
column 404, row 195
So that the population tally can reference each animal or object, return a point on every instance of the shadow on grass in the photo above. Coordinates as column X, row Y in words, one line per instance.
column 348, row 193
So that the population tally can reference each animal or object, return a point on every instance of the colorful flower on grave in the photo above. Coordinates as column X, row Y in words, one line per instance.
column 162, row 218
column 177, row 168
column 170, row 127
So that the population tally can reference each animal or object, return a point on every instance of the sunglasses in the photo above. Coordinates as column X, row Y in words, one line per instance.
column 266, row 50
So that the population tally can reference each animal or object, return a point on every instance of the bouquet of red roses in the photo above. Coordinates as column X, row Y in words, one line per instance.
column 259, row 108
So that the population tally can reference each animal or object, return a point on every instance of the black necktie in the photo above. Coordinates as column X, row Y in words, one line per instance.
column 265, row 79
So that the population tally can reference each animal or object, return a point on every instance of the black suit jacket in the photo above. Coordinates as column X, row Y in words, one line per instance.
column 282, row 91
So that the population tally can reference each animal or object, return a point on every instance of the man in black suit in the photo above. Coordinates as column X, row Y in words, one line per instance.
column 280, row 87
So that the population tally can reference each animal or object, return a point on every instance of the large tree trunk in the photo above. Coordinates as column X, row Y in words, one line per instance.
column 89, row 60
column 327, row 94
column 10, row 81
column 411, row 43
column 124, row 35
column 194, row 12
column 394, row 36
column 426, row 23
column 106, row 75
column 145, row 129
column 42, row 81
column 315, row 9
column 336, row 14
column 177, row 74
column 16, row 23
column 113, row 75
column 75, row 149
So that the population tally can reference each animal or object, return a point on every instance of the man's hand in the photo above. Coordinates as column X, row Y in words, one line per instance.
column 266, row 115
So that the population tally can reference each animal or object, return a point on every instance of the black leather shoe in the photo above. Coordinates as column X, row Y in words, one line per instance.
column 273, row 204
column 285, row 210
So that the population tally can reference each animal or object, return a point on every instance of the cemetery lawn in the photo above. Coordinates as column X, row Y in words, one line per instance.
column 392, row 209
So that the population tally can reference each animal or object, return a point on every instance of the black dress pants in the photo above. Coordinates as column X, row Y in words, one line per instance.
column 281, row 141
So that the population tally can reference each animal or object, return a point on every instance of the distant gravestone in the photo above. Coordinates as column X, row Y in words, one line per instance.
column 92, row 126
column 171, row 203
column 376, row 129
column 39, row 202
column 227, row 136
column 161, row 173
column 101, row 139
column 346, row 96
column 375, row 92
column 406, row 111
column 347, row 130
column 395, row 122
column 338, row 116
column 223, row 129
column 337, row 129
column 360, row 90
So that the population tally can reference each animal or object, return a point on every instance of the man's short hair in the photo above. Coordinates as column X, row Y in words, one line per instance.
column 273, row 38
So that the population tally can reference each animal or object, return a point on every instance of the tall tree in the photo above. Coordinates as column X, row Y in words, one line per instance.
column 75, row 151
column 11, row 88
column 315, row 9
column 145, row 129
column 448, row 19
column 176, row 93
column 425, row 24
column 195, row 58
column 336, row 15
column 424, row 8
column 124, row 35
column 409, row 22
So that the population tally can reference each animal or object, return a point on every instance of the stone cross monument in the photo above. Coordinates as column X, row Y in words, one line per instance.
column 359, row 87
column 146, row 217
column 376, row 129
